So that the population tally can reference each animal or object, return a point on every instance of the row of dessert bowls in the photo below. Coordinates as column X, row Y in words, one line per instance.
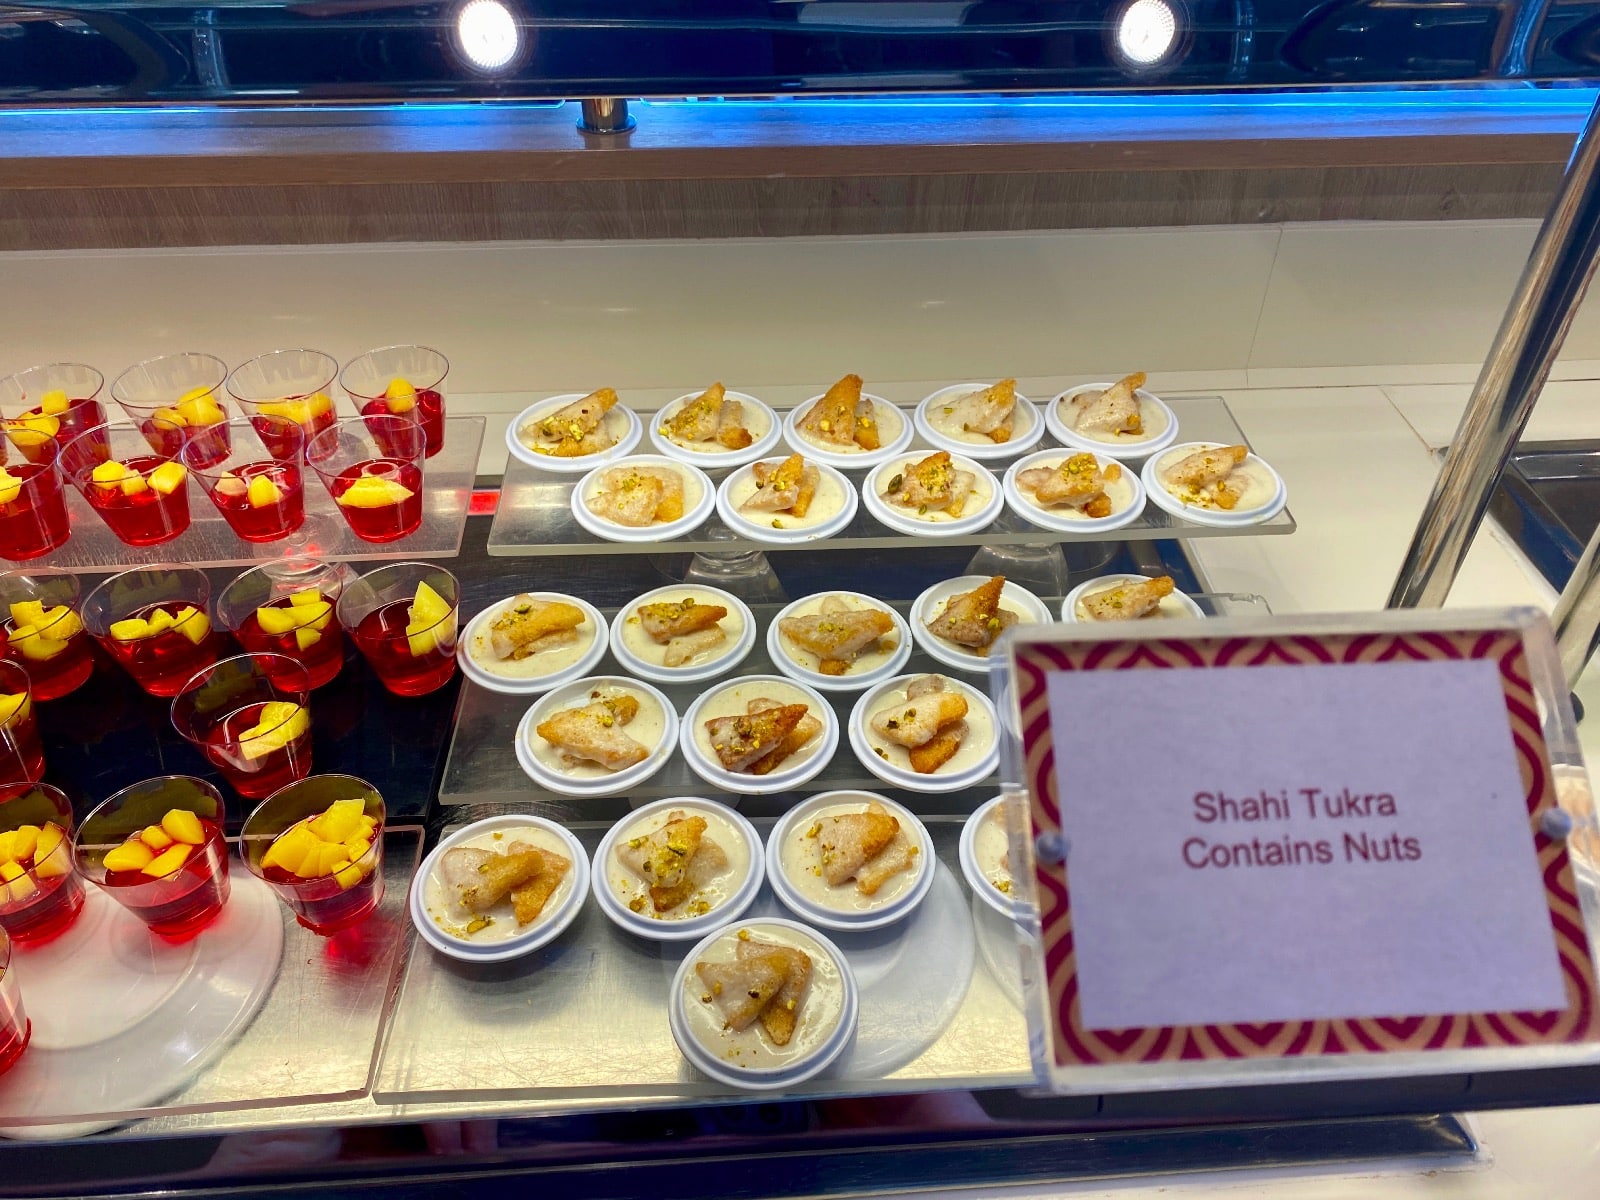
column 758, row 1001
column 792, row 499
column 845, row 427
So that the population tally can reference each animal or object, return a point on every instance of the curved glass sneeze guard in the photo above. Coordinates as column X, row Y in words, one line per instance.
column 370, row 50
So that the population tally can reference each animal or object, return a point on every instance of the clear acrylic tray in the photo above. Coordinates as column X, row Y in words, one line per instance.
column 481, row 767
column 582, row 1023
column 254, row 1012
column 535, row 512
column 446, row 493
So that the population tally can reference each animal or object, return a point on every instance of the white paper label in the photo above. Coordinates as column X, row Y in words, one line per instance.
column 1275, row 843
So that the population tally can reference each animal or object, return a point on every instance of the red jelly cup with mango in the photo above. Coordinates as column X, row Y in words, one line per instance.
column 43, row 632
column 318, row 844
column 40, row 894
column 154, row 624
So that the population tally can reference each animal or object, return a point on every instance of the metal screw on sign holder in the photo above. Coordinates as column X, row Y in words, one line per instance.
column 1556, row 823
column 1051, row 848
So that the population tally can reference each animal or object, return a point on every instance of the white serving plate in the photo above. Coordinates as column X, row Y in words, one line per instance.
column 903, row 521
column 1182, row 604
column 1033, row 610
column 1133, row 449
column 533, row 686
column 714, row 460
column 850, row 681
column 1027, row 426
column 888, row 416
column 904, row 777
column 713, row 772
column 615, row 783
column 1067, row 519
column 760, row 529
column 735, row 651
column 570, row 466
column 1165, row 500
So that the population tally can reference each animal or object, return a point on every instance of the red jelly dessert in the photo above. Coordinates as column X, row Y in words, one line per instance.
column 262, row 747
column 262, row 501
column 144, row 500
column 50, row 644
column 21, row 752
column 172, row 876
column 33, row 510
column 411, row 644
column 39, row 894
column 163, row 645
column 427, row 406
column 381, row 498
column 300, row 627
column 325, row 866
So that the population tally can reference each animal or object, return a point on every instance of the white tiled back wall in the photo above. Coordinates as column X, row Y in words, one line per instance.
column 1196, row 308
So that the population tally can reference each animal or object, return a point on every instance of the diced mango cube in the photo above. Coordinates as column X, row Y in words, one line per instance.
column 356, row 847
column 8, row 844
column 192, row 623
column 427, row 605
column 132, row 629
column 55, row 402
column 10, row 486
column 368, row 824
column 400, row 395
column 279, row 723
column 168, row 861
column 10, row 871
column 313, row 616
column 349, row 875
column 332, row 856
column 290, row 848
column 132, row 855
column 183, row 826
column 27, row 612
column 161, row 619
column 34, row 645
column 49, row 855
column 275, row 621
column 32, row 430
column 171, row 415
column 133, row 485
column 14, row 707
column 306, row 596
column 62, row 622
column 155, row 837
column 167, row 478
column 22, row 889
column 25, row 841
column 304, row 639
column 199, row 407
column 262, row 492
column 421, row 642
column 370, row 491
column 340, row 821
column 111, row 472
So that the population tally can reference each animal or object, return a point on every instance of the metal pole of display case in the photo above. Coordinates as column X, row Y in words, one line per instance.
column 1530, row 336
column 604, row 114
column 1577, row 614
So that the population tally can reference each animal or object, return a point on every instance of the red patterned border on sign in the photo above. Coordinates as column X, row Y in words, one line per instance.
column 1075, row 1045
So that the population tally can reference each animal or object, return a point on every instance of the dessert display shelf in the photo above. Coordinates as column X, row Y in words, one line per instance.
column 254, row 1012
column 209, row 542
column 582, row 1024
column 482, row 767
column 535, row 513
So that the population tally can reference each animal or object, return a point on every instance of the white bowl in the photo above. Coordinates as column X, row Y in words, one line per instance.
column 983, row 727
column 802, row 1066
column 893, row 425
column 699, row 497
column 759, row 528
column 1178, row 604
column 1026, row 429
column 530, row 685
column 870, row 914
column 1127, row 495
column 627, row 438
column 551, row 923
column 934, row 525
column 977, row 879
column 674, row 929
column 608, row 783
column 732, row 652
column 852, row 680
column 930, row 604
column 757, row 416
column 1165, row 500
column 813, row 758
column 1122, row 447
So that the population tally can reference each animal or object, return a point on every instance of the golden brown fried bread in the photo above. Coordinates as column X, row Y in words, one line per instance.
column 782, row 1014
column 1128, row 601
column 593, row 733
column 741, row 989
column 801, row 734
column 497, row 876
column 663, row 620
column 975, row 619
column 1115, row 410
column 740, row 740
column 846, row 842
column 833, row 418
column 528, row 626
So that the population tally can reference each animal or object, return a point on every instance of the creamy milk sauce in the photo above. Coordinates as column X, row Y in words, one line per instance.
column 731, row 699
column 825, row 503
column 1259, row 486
column 634, row 892
column 870, row 659
column 990, row 847
column 645, row 648
column 1120, row 491
column 1171, row 605
column 647, row 728
column 979, row 739
column 754, row 418
column 820, row 1010
column 693, row 491
column 982, row 493
column 452, row 918
column 614, row 422
column 891, row 424
column 534, row 666
column 941, row 415
column 800, row 858
column 1153, row 419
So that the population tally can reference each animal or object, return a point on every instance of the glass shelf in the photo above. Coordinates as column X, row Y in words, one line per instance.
column 314, row 1037
column 481, row 767
column 208, row 542
column 582, row 1023
column 535, row 512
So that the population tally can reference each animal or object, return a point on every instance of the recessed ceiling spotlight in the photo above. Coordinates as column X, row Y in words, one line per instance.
column 1146, row 33
column 487, row 35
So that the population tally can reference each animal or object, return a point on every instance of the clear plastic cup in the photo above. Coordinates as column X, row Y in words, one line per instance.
column 325, row 897
column 33, row 502
column 161, row 652
column 296, row 385
column 401, row 381
column 259, row 486
column 303, row 594
column 411, row 656
column 40, row 895
column 177, row 399
column 21, row 752
column 144, row 497
column 59, row 401
column 49, row 642
column 15, row 1028
column 250, row 716
column 372, row 467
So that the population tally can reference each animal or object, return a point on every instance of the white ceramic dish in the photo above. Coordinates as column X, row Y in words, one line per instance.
column 625, row 427
column 1126, row 493
column 761, row 421
column 631, row 647
column 977, row 758
column 867, row 670
column 564, row 666
column 1026, row 429
column 1123, row 446
column 727, row 698
column 894, row 429
column 699, row 498
column 982, row 508
column 1031, row 610
column 831, row 979
column 980, row 850
column 737, row 837
column 1177, row 604
column 537, row 757
column 779, row 529
column 846, row 908
column 1269, row 481
column 425, row 901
